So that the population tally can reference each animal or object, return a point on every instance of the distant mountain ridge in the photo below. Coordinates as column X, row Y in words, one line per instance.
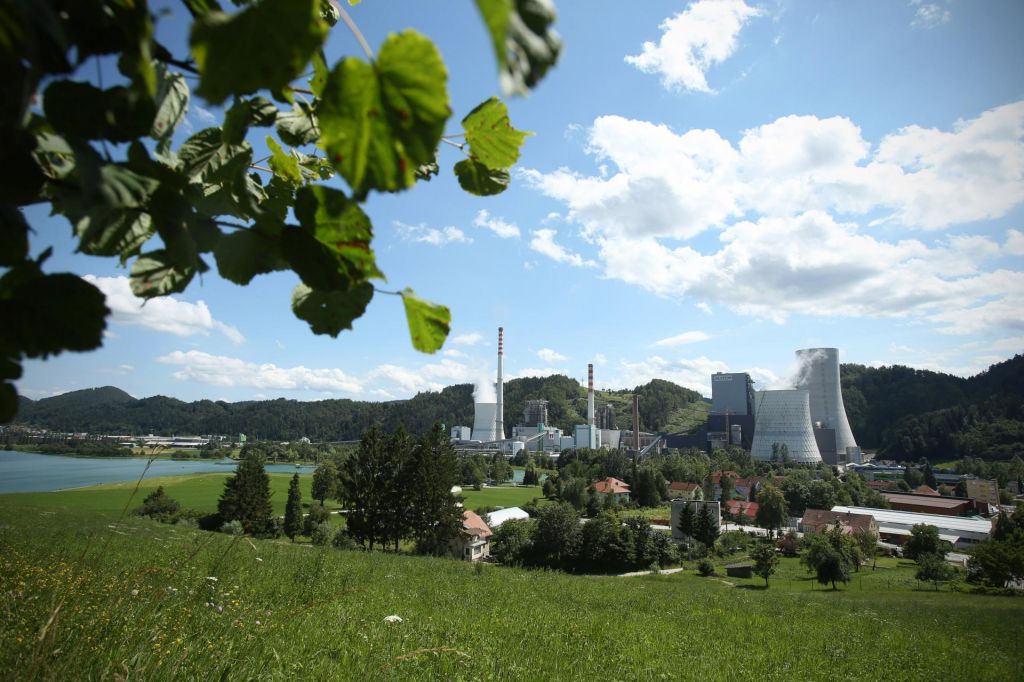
column 111, row 410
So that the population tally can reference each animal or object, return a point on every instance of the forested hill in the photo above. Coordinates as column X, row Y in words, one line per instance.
column 110, row 410
column 908, row 414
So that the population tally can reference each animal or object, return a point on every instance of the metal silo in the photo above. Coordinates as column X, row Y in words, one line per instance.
column 819, row 376
column 784, row 419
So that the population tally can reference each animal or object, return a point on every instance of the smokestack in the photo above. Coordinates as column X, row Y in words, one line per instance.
column 636, row 422
column 590, row 394
column 499, row 415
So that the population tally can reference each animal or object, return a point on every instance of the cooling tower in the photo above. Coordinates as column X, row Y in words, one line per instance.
column 483, row 422
column 819, row 376
column 784, row 417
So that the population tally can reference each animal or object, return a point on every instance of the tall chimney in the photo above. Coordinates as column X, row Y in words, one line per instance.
column 590, row 394
column 636, row 423
column 499, row 415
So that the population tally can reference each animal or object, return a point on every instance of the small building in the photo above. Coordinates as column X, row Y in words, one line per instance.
column 473, row 541
column 750, row 486
column 818, row 520
column 741, row 510
column 496, row 518
column 740, row 570
column 685, row 491
column 895, row 526
column 619, row 490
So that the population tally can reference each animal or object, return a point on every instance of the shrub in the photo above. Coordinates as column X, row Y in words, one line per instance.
column 160, row 506
column 705, row 567
column 321, row 534
column 317, row 514
column 342, row 540
column 233, row 528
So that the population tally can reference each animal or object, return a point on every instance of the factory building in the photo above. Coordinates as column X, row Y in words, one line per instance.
column 461, row 433
column 535, row 412
column 783, row 425
column 732, row 393
column 606, row 417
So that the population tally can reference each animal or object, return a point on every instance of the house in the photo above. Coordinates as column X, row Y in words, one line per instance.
column 817, row 520
column 619, row 490
column 716, row 482
column 741, row 510
column 473, row 541
column 685, row 491
column 496, row 518
column 748, row 487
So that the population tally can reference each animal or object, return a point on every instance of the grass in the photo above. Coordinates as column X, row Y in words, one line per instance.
column 501, row 496
column 82, row 598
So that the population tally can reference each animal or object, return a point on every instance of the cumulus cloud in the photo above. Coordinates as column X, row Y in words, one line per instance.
column 929, row 14
column 543, row 242
column 1014, row 243
column 470, row 339
column 498, row 226
column 431, row 235
column 681, row 339
column 551, row 356
column 538, row 372
column 693, row 41
column 163, row 314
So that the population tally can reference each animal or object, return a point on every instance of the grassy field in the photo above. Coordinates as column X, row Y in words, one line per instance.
column 84, row 598
column 501, row 496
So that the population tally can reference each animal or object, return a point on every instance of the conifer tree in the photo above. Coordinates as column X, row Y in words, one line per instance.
column 246, row 496
column 432, row 470
column 705, row 529
column 293, row 510
column 687, row 520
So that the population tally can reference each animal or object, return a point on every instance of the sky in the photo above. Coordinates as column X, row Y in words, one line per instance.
column 710, row 186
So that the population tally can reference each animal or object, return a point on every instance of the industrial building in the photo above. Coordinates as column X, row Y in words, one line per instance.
column 819, row 376
column 732, row 394
column 535, row 412
column 783, row 427
column 894, row 526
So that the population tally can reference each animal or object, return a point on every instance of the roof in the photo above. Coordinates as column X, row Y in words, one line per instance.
column 749, row 481
column 496, row 518
column 820, row 517
column 474, row 525
column 611, row 485
column 716, row 477
column 686, row 487
column 926, row 490
column 925, row 500
column 736, row 507
column 890, row 517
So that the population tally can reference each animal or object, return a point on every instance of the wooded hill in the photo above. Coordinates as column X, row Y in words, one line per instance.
column 663, row 406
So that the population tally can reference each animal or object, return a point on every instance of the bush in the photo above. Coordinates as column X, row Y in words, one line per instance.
column 317, row 514
column 322, row 534
column 160, row 506
column 342, row 540
column 273, row 529
column 233, row 528
column 705, row 567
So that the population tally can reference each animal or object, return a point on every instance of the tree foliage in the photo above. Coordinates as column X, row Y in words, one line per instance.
column 293, row 509
column 766, row 560
column 246, row 496
column 160, row 506
column 109, row 159
column 771, row 511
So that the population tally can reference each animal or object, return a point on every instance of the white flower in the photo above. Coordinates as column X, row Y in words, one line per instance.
column 135, row 593
column 393, row 619
column 259, row 559
column 211, row 578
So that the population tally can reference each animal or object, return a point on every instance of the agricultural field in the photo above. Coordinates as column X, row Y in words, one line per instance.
column 87, row 596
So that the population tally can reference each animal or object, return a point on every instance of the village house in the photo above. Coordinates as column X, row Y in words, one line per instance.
column 473, row 542
column 685, row 491
column 619, row 490
column 818, row 520
column 741, row 511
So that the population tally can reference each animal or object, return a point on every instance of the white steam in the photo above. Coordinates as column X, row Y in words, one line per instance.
column 484, row 391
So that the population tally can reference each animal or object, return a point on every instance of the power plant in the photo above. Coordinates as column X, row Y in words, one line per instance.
column 783, row 429
column 819, row 376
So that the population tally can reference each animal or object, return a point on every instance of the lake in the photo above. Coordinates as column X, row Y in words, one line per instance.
column 25, row 472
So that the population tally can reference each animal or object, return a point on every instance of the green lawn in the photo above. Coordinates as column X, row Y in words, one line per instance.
column 501, row 496
column 84, row 598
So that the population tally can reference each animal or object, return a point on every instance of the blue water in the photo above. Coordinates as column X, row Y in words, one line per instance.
column 25, row 472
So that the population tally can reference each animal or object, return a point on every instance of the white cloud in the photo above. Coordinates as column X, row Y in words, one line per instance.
column 600, row 359
column 163, row 314
column 1014, row 344
column 543, row 242
column 471, row 339
column 498, row 226
column 929, row 14
column 1014, row 243
column 694, row 40
column 431, row 235
column 682, row 339
column 538, row 372
column 704, row 308
column 453, row 353
column 218, row 370
column 550, row 356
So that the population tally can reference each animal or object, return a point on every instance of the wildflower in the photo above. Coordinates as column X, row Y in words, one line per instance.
column 393, row 619
column 220, row 609
column 259, row 559
column 211, row 578
column 258, row 623
column 135, row 593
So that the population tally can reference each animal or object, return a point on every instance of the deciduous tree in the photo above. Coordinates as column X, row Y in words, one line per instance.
column 766, row 560
column 771, row 510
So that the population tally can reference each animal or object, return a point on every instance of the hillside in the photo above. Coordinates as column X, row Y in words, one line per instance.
column 663, row 406
column 907, row 414
column 139, row 600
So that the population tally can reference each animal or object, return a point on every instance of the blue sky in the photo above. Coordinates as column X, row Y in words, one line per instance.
column 710, row 187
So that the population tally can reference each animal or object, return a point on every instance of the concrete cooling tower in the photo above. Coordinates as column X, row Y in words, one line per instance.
column 484, row 418
column 784, row 417
column 819, row 376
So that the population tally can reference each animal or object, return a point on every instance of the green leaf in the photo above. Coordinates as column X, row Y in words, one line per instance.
column 476, row 178
column 316, row 265
column 267, row 45
column 320, row 72
column 13, row 236
column 104, row 231
column 492, row 139
column 81, row 110
column 299, row 126
column 21, row 178
column 156, row 274
column 257, row 111
column 244, row 254
column 380, row 123
column 8, row 402
column 46, row 314
column 120, row 187
column 171, row 101
column 285, row 166
column 429, row 323
column 341, row 225
column 330, row 312
column 205, row 158
column 524, row 43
